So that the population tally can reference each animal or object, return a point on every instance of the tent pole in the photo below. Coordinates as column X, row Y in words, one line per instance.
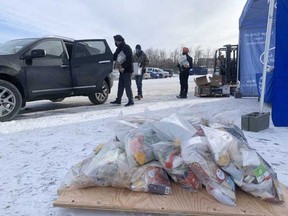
column 266, row 53
column 238, row 65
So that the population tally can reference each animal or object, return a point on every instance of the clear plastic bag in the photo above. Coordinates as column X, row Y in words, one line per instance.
column 124, row 124
column 137, row 70
column 150, row 178
column 109, row 167
column 173, row 128
column 182, row 60
column 119, row 61
column 197, row 156
column 138, row 145
column 121, row 57
column 170, row 158
column 247, row 168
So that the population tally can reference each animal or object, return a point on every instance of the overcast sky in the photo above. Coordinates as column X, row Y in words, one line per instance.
column 161, row 24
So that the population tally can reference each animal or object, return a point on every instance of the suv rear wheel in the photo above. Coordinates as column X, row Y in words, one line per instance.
column 100, row 97
column 10, row 101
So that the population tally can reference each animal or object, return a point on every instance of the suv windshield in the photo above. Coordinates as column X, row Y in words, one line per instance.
column 13, row 46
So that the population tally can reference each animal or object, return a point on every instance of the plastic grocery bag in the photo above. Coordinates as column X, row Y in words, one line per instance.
column 248, row 169
column 136, row 69
column 169, row 156
column 173, row 128
column 182, row 60
column 138, row 145
column 124, row 124
column 196, row 154
column 109, row 167
column 121, row 57
column 119, row 61
column 150, row 178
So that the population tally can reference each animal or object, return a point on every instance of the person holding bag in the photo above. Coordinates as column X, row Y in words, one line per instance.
column 185, row 63
column 123, row 62
column 141, row 58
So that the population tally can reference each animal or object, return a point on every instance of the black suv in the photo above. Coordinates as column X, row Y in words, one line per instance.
column 53, row 68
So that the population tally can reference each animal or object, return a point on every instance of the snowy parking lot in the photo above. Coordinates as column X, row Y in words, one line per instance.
column 46, row 139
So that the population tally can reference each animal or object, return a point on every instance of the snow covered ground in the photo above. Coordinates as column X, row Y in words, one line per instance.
column 46, row 139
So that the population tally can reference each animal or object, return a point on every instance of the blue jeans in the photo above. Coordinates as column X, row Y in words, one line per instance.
column 138, row 79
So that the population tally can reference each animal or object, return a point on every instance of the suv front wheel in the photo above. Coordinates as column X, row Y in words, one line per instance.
column 100, row 97
column 10, row 101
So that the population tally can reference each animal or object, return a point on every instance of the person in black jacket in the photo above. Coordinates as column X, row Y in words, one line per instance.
column 141, row 58
column 123, row 61
column 184, row 65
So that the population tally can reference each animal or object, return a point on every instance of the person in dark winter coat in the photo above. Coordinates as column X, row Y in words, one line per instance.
column 141, row 58
column 185, row 64
column 123, row 62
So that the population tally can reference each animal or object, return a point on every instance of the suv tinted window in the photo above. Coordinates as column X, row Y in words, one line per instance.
column 89, row 48
column 13, row 46
column 53, row 48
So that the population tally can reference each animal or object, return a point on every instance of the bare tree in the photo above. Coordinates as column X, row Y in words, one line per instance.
column 198, row 52
column 161, row 59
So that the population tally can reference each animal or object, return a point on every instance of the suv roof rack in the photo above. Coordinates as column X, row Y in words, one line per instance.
column 57, row 36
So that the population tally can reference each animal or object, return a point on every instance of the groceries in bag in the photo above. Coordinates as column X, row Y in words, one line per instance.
column 169, row 156
column 247, row 168
column 197, row 156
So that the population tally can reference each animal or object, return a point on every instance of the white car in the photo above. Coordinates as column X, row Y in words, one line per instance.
column 160, row 72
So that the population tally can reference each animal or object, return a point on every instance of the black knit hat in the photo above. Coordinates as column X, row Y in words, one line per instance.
column 138, row 47
column 118, row 38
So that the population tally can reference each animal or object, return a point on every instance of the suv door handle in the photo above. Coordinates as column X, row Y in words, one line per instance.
column 64, row 66
column 104, row 62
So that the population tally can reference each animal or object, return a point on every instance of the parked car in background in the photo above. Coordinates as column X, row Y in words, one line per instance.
column 53, row 68
column 160, row 72
column 153, row 75
column 198, row 71
column 170, row 71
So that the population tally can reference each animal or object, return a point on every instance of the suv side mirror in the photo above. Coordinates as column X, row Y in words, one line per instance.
column 38, row 53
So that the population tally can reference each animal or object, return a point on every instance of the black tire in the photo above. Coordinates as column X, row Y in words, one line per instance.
column 100, row 97
column 160, row 75
column 57, row 100
column 10, row 101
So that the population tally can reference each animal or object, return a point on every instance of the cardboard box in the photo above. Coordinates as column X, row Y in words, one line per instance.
column 216, row 81
column 201, row 81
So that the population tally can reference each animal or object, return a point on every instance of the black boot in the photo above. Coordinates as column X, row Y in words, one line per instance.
column 117, row 102
column 130, row 103
column 182, row 96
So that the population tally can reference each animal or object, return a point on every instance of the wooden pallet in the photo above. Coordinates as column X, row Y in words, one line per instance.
column 179, row 202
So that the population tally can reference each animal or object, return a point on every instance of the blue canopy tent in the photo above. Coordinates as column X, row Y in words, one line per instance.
column 280, row 77
column 253, row 25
